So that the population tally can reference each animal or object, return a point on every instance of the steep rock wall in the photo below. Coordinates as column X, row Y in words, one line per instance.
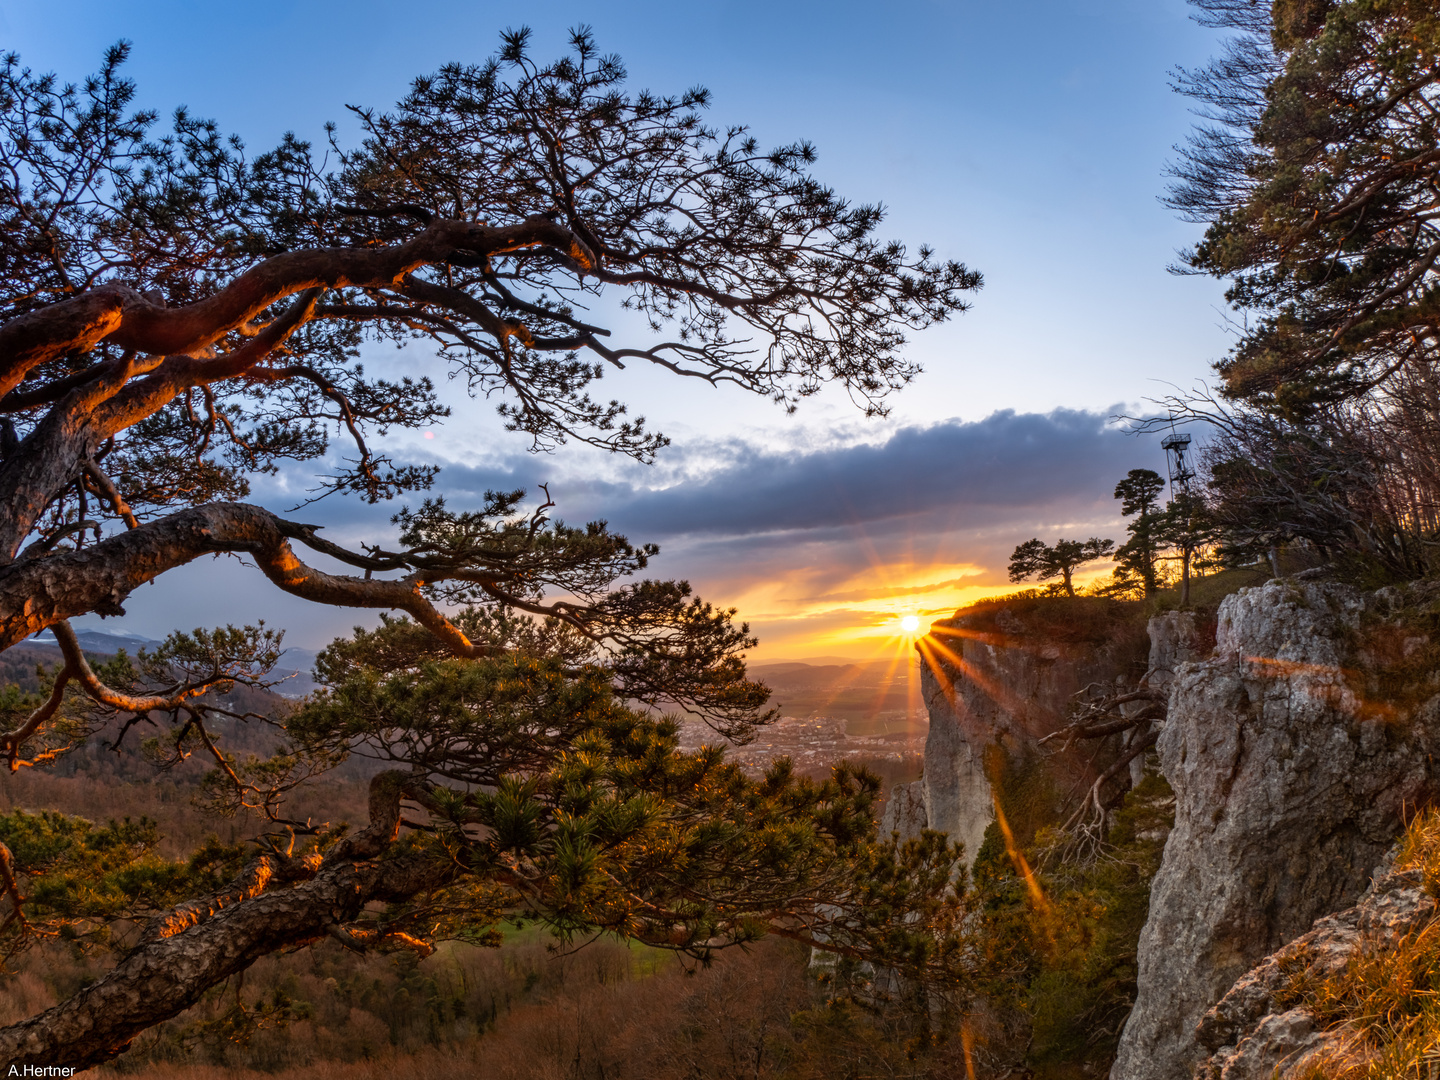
column 1176, row 638
column 905, row 811
column 1001, row 678
column 1288, row 791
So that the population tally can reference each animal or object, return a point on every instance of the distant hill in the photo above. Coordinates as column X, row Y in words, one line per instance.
column 105, row 642
column 814, row 661
column 295, row 667
column 869, row 695
column 96, row 763
column 872, row 697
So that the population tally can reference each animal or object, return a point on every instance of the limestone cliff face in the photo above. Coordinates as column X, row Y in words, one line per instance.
column 1288, row 791
column 905, row 811
column 999, row 680
column 1289, row 784
column 1176, row 638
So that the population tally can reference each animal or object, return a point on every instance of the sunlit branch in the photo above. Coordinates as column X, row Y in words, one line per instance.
column 106, row 487
column 80, row 669
column 13, row 741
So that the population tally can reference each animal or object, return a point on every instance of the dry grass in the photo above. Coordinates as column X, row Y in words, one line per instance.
column 1384, row 1006
column 1061, row 620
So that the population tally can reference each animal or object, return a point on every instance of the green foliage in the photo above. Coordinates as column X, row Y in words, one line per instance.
column 544, row 797
column 1322, row 222
column 216, row 659
column 1296, row 21
column 553, row 793
column 536, row 769
column 523, row 581
column 1059, row 936
column 1186, row 526
column 1314, row 172
column 1139, row 493
column 1087, row 981
column 77, row 880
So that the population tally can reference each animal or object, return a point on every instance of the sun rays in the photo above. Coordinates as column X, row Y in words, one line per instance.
column 863, row 614
column 874, row 613
column 873, row 606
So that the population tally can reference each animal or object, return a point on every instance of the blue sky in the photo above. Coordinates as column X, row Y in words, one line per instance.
column 1028, row 139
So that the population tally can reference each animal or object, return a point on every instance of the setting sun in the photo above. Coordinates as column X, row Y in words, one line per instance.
column 910, row 623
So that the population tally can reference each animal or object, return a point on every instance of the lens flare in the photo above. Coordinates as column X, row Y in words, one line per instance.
column 910, row 623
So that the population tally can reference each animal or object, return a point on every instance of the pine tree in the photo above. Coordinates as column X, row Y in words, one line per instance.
column 179, row 316
column 1188, row 526
column 1139, row 493
column 1036, row 559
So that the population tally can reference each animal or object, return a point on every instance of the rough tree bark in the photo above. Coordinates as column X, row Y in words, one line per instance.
column 123, row 316
column 164, row 347
column 37, row 593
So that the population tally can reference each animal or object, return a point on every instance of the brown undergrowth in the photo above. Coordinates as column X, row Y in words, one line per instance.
column 523, row 1012
column 1397, row 646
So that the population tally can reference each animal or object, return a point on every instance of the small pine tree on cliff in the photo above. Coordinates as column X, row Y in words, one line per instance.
column 1139, row 492
column 1035, row 559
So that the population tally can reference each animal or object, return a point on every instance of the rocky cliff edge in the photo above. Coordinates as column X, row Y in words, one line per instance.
column 1290, row 784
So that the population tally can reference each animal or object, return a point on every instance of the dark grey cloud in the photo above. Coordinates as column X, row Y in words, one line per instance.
column 987, row 470
column 1007, row 460
column 819, row 521
column 991, row 467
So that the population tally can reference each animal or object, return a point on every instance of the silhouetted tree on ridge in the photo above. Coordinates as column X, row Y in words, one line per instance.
column 1035, row 558
column 1139, row 492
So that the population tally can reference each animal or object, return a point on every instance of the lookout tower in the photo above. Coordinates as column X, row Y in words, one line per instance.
column 1177, row 451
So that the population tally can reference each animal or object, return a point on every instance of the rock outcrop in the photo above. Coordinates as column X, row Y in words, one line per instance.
column 904, row 811
column 1176, row 638
column 997, row 680
column 1258, row 1031
column 1288, row 789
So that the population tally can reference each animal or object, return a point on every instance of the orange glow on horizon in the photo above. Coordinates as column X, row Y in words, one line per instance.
column 861, row 623
column 808, row 605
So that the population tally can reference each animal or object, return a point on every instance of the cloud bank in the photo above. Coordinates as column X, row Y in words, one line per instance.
column 1009, row 462
column 818, row 547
